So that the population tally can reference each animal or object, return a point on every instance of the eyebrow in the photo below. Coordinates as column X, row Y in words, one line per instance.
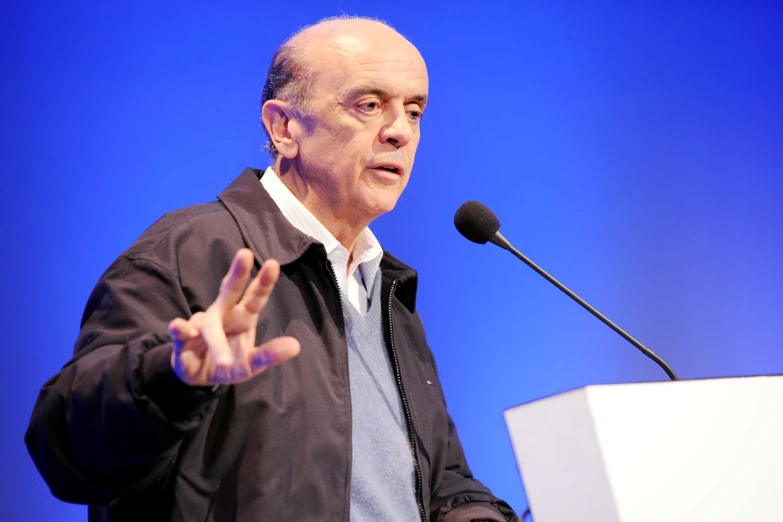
column 363, row 91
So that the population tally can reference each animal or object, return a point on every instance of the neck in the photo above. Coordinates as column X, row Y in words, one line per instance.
column 327, row 207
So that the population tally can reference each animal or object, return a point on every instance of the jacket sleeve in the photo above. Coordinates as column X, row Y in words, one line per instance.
column 110, row 423
column 461, row 498
column 457, row 496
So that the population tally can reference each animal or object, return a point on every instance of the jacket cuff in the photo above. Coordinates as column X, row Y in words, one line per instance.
column 474, row 512
column 177, row 400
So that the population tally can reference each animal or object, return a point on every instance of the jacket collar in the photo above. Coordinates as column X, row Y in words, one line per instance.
column 265, row 229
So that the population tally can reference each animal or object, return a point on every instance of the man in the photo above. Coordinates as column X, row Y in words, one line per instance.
column 307, row 394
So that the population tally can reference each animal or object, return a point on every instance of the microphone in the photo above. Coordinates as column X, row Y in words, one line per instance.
column 479, row 224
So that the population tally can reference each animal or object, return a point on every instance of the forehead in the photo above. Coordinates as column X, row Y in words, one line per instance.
column 386, row 61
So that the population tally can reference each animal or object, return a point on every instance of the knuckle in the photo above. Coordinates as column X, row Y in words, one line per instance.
column 211, row 318
column 256, row 303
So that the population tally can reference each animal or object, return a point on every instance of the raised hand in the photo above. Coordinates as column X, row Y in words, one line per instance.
column 217, row 346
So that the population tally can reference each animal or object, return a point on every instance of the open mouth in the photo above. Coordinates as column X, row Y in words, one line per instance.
column 389, row 168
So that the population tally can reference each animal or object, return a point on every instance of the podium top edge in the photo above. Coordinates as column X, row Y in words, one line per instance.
column 647, row 383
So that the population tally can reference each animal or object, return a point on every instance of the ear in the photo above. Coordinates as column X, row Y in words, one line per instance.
column 277, row 117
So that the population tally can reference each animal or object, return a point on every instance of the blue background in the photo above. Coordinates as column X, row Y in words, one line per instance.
column 635, row 151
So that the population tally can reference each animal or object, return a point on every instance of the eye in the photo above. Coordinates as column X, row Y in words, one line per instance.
column 370, row 106
column 415, row 114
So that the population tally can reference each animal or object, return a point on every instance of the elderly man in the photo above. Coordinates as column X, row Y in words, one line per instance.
column 309, row 393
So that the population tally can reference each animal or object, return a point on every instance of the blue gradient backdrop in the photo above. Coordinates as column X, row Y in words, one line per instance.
column 635, row 151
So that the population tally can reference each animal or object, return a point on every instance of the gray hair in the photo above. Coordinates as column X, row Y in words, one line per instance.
column 290, row 76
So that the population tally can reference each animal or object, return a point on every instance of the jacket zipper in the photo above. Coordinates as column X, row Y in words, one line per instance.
column 342, row 316
column 403, row 398
column 406, row 409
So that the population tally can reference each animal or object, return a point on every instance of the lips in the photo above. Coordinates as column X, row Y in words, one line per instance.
column 392, row 168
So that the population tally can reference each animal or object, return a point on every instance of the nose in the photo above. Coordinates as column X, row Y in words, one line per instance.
column 397, row 129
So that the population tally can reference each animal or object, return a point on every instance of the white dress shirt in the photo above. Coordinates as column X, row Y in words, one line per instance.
column 355, row 280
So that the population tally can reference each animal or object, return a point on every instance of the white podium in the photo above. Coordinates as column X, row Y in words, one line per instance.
column 685, row 451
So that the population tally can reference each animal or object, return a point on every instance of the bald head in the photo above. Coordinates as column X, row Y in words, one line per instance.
column 297, row 62
column 330, row 28
column 346, row 34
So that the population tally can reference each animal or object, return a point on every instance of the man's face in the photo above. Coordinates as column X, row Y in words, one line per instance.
column 359, row 140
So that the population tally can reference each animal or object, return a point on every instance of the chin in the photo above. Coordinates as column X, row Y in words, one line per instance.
column 381, row 205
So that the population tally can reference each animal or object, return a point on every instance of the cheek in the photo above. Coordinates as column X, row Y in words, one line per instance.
column 345, row 145
column 326, row 137
column 342, row 144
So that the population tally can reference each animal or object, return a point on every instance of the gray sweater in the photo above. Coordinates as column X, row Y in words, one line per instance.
column 383, row 472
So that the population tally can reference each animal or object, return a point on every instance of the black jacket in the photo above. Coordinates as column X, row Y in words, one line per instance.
column 116, row 427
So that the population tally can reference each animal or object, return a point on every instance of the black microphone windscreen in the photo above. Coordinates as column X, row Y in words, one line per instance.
column 476, row 222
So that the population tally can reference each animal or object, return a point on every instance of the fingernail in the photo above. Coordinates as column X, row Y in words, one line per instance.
column 238, row 268
column 262, row 359
column 267, row 278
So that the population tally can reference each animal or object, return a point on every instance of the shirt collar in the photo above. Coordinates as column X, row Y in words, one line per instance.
column 367, row 251
column 267, row 232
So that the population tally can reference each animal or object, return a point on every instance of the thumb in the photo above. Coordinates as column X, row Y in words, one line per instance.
column 274, row 352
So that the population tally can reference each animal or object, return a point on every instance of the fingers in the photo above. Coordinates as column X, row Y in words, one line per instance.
column 234, row 282
column 222, row 365
column 273, row 352
column 260, row 289
column 182, row 331
column 217, row 345
column 211, row 329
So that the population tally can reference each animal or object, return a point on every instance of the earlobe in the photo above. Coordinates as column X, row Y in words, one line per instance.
column 276, row 116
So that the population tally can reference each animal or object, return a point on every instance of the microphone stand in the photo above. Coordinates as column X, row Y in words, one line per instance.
column 502, row 242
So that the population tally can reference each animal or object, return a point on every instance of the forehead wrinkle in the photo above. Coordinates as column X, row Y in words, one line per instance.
column 379, row 72
column 363, row 65
column 382, row 67
column 384, row 89
column 382, row 76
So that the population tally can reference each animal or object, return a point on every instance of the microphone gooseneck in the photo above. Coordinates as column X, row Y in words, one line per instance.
column 479, row 224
